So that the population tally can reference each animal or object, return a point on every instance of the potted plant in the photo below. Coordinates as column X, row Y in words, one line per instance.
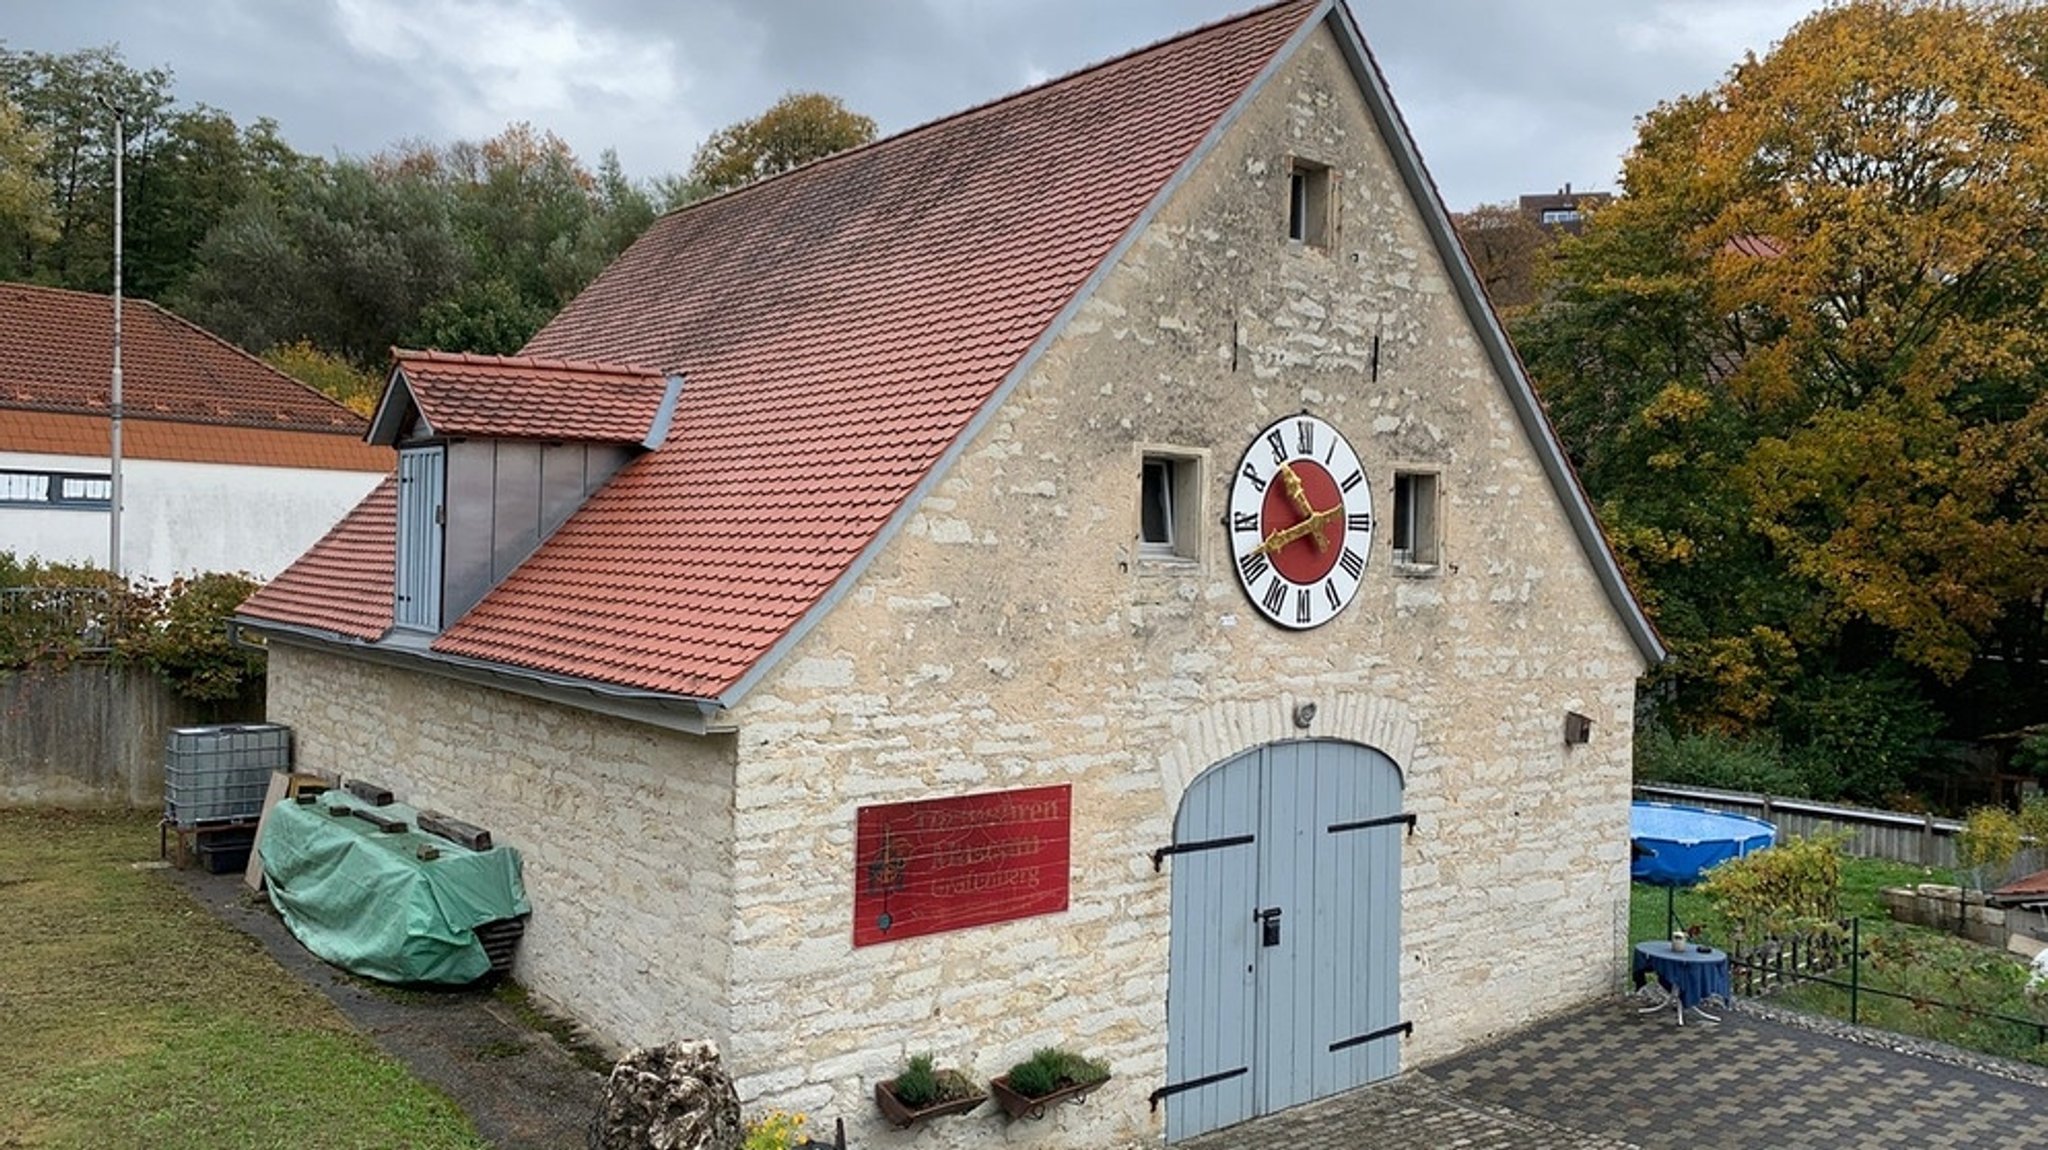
column 1051, row 1075
column 919, row 1092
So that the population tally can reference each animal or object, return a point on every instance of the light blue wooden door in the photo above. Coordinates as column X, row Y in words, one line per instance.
column 421, row 480
column 1284, row 978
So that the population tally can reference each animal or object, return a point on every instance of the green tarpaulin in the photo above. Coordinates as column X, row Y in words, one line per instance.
column 365, row 901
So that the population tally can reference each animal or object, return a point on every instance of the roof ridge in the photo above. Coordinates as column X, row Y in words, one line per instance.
column 986, row 106
column 259, row 361
column 480, row 359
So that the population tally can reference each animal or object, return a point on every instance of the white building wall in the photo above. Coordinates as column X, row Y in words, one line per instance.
column 186, row 518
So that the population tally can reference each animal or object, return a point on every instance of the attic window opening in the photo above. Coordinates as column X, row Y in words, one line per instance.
column 1169, row 507
column 1416, row 534
column 1308, row 203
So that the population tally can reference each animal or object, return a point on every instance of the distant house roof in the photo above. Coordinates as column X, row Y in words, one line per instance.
column 847, row 325
column 2030, row 889
column 522, row 397
column 56, row 367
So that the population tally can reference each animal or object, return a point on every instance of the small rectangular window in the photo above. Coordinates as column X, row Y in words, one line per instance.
column 1169, row 508
column 56, row 489
column 1415, row 535
column 1308, row 203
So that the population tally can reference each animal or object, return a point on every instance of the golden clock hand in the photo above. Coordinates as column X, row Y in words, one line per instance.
column 1313, row 525
column 1299, row 498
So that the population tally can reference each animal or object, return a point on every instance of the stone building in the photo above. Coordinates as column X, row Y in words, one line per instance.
column 1086, row 571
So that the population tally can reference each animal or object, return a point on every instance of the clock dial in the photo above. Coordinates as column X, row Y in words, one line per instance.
column 1300, row 522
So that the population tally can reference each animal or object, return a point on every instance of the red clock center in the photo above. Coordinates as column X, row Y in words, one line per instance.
column 1301, row 560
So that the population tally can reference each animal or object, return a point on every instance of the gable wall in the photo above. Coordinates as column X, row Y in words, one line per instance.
column 624, row 830
column 1010, row 636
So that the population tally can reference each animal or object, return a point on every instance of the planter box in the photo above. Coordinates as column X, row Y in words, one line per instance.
column 1018, row 1106
column 903, row 1117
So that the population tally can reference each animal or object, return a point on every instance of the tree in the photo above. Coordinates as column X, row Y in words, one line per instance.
column 331, row 375
column 27, row 219
column 1510, row 252
column 799, row 128
column 1796, row 364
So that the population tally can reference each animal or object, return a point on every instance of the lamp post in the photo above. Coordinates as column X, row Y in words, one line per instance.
column 114, row 404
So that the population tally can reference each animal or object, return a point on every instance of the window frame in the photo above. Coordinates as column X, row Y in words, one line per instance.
column 1183, row 471
column 1414, row 514
column 1311, row 203
column 53, row 498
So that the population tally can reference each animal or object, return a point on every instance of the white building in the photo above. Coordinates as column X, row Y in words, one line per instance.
column 227, row 463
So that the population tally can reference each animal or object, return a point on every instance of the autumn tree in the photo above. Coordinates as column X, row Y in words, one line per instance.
column 799, row 128
column 1797, row 364
column 1509, row 251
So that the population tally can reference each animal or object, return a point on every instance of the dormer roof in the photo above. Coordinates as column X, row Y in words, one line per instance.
column 525, row 397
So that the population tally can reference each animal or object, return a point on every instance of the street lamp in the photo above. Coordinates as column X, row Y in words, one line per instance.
column 114, row 404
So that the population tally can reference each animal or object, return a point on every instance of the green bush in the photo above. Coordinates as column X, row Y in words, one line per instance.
column 1716, row 761
column 1782, row 891
column 56, row 613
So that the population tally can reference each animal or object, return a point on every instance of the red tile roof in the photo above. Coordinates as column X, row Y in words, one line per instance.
column 522, row 397
column 840, row 326
column 60, row 433
column 344, row 584
column 56, row 354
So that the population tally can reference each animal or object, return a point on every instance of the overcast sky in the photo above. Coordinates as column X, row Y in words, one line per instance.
column 1504, row 96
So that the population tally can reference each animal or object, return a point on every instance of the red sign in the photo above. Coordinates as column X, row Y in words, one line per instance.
column 941, row 864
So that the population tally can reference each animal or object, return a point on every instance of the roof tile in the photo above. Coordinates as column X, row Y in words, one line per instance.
column 523, row 397
column 840, row 326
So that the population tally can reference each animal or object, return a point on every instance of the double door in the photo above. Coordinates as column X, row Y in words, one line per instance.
column 1284, row 978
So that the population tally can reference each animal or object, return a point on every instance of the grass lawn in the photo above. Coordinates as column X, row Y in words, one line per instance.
column 130, row 1017
column 1929, row 966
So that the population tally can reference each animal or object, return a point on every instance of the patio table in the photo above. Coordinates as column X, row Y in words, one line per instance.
column 1687, row 977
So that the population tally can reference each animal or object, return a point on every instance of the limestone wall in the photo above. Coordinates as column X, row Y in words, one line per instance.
column 1012, row 636
column 625, row 829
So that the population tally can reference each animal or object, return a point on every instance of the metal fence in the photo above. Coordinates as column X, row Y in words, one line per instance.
column 77, row 620
column 1923, row 840
column 1778, row 966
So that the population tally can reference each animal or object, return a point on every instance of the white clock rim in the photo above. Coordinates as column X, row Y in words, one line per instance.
column 1239, row 484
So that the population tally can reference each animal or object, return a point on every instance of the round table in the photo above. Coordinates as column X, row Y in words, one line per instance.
column 1688, row 977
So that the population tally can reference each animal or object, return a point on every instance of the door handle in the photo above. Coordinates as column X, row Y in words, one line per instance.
column 1269, row 926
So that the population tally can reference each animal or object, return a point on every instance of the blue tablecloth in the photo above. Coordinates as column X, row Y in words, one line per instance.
column 1693, row 974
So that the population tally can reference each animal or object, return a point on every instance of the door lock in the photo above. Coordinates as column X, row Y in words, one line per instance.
column 1269, row 926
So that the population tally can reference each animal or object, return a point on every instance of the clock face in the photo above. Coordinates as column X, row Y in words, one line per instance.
column 1300, row 522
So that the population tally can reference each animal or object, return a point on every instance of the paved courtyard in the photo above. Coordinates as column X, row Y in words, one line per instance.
column 1605, row 1078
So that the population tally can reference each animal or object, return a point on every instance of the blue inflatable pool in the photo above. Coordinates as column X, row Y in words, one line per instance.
column 1675, row 845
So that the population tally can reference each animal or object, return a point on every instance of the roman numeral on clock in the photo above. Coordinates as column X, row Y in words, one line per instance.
column 1252, row 474
column 1330, row 593
column 1278, row 444
column 1301, row 606
column 1353, row 563
column 1305, row 437
column 1245, row 521
column 1276, row 594
column 1362, row 521
column 1253, row 566
column 1351, row 481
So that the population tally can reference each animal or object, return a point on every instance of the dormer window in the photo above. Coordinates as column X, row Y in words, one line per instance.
column 494, row 454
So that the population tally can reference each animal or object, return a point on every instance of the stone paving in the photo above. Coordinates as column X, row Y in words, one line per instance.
column 1607, row 1078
